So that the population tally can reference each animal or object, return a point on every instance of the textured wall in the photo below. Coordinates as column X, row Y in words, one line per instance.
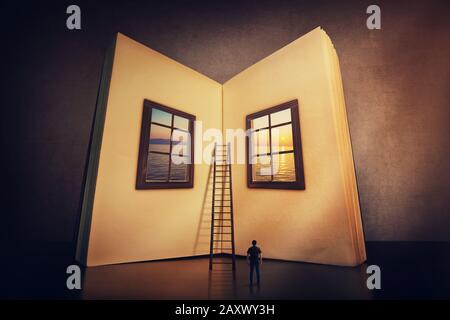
column 396, row 84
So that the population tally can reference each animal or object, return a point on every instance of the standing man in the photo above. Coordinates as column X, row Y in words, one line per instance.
column 254, row 259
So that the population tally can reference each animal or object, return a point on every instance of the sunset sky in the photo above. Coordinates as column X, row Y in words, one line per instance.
column 281, row 136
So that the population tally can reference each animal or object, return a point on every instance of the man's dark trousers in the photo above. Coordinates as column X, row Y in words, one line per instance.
column 254, row 266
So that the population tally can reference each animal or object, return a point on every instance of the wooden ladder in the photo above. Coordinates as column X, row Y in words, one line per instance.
column 222, row 224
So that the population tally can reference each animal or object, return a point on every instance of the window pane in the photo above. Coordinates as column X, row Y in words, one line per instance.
column 260, row 142
column 283, row 167
column 282, row 138
column 179, row 172
column 157, row 167
column 261, row 170
column 162, row 117
column 181, row 143
column 181, row 123
column 261, row 122
column 180, row 136
column 159, row 138
column 280, row 117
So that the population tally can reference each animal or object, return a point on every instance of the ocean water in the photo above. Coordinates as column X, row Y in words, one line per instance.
column 283, row 168
column 158, row 166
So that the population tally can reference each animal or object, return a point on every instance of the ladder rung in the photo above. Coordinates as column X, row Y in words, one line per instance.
column 222, row 233
column 222, row 240
column 222, row 219
column 216, row 262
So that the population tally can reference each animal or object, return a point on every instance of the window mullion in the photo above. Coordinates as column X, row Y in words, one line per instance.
column 170, row 148
column 270, row 149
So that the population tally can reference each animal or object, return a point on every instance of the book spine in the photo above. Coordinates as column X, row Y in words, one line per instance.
column 93, row 157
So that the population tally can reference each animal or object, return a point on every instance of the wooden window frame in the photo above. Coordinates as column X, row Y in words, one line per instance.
column 299, row 183
column 141, row 183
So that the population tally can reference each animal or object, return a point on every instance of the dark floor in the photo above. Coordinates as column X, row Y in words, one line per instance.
column 408, row 270
column 190, row 279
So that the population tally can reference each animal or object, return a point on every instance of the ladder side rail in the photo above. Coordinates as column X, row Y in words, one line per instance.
column 233, row 256
column 211, row 254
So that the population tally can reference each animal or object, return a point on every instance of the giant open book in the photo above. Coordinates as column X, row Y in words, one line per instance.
column 320, row 222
